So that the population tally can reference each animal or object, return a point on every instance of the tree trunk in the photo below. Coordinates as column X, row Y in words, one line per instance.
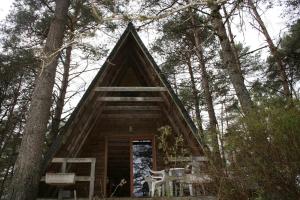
column 231, row 37
column 229, row 59
column 282, row 73
column 26, row 179
column 175, row 84
column 61, row 98
column 195, row 97
column 207, row 93
column 65, row 81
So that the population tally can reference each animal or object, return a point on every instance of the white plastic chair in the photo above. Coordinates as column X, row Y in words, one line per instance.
column 156, row 181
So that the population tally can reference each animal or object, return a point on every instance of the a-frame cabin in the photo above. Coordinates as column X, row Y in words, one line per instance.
column 118, row 116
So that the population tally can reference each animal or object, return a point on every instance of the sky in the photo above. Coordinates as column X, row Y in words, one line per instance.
column 4, row 8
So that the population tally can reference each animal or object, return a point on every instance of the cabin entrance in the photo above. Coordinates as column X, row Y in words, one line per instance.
column 128, row 159
column 118, row 167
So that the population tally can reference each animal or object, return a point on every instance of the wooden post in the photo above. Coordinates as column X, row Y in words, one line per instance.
column 105, row 166
column 64, row 166
column 63, row 170
column 92, row 179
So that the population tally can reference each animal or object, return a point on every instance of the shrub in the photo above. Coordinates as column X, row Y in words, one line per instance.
column 265, row 152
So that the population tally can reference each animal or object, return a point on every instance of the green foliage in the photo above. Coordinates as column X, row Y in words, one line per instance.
column 171, row 145
column 291, row 49
column 264, row 147
column 290, row 52
column 186, row 95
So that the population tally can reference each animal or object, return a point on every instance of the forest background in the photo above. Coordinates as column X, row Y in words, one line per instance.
column 236, row 71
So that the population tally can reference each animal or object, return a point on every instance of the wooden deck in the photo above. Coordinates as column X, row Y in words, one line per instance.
column 148, row 198
column 168, row 198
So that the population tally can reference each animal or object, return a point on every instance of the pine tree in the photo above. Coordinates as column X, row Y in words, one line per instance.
column 27, row 168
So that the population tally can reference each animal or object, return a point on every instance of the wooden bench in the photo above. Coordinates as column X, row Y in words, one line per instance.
column 63, row 178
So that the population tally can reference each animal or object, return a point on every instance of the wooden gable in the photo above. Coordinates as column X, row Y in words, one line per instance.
column 128, row 98
column 128, row 65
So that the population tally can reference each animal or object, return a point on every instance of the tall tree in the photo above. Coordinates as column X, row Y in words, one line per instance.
column 176, row 33
column 206, row 86
column 230, row 61
column 274, row 51
column 195, row 94
column 27, row 168
column 289, row 51
column 60, row 102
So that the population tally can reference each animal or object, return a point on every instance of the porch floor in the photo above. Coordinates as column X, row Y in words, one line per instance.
column 167, row 198
column 147, row 198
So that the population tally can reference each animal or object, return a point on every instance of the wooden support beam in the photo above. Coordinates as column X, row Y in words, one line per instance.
column 136, row 99
column 189, row 159
column 85, row 134
column 77, row 178
column 92, row 179
column 105, row 166
column 126, row 108
column 71, row 144
column 131, row 116
column 73, row 160
column 131, row 89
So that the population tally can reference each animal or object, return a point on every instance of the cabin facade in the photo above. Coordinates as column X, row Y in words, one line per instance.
column 112, row 133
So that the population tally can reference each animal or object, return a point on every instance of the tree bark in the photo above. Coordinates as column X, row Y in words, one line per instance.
column 61, row 98
column 26, row 179
column 207, row 93
column 274, row 51
column 231, row 37
column 195, row 97
column 229, row 59
column 175, row 84
column 72, row 24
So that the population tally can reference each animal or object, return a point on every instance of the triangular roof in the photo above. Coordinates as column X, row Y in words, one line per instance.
column 129, row 35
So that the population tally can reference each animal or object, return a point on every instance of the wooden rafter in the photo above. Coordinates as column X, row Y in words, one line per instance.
column 131, row 116
column 131, row 108
column 130, row 89
column 134, row 99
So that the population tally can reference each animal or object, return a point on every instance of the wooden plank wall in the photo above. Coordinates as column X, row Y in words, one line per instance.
column 95, row 148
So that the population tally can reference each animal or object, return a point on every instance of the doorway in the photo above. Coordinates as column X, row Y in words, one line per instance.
column 141, row 163
column 118, row 167
column 129, row 159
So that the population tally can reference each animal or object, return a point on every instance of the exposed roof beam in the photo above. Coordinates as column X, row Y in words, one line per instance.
column 139, row 99
column 131, row 116
column 73, row 160
column 126, row 108
column 131, row 89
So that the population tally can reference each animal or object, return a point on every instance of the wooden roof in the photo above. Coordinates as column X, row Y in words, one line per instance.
column 129, row 50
